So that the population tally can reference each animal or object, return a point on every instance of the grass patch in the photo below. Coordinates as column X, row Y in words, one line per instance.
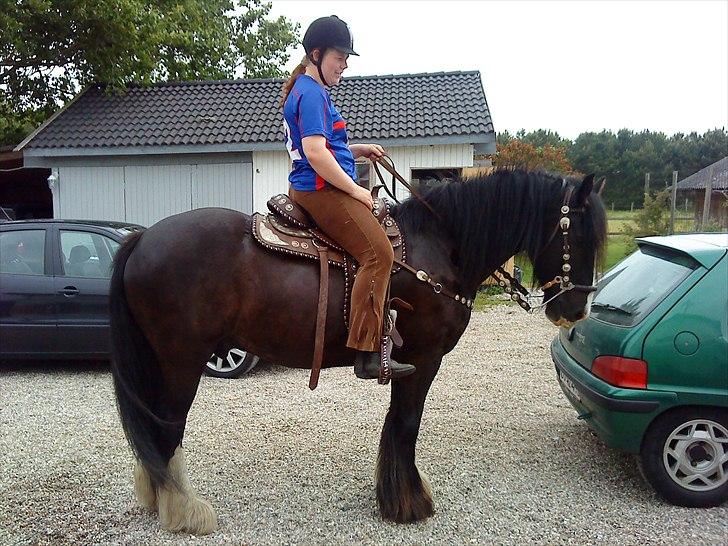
column 488, row 297
column 615, row 252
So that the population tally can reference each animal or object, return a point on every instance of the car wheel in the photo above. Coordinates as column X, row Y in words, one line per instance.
column 236, row 363
column 684, row 457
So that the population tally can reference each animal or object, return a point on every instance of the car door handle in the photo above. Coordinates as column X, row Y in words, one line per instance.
column 68, row 291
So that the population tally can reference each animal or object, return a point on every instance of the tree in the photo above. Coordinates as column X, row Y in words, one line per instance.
column 517, row 153
column 50, row 49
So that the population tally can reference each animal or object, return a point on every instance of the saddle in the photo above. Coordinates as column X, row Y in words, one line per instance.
column 289, row 229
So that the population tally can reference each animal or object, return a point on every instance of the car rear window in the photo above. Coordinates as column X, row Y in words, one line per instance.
column 631, row 289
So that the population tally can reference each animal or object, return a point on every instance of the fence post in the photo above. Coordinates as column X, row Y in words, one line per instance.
column 673, row 202
column 706, row 202
column 647, row 183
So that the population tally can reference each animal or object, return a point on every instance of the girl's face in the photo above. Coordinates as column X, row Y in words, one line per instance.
column 333, row 64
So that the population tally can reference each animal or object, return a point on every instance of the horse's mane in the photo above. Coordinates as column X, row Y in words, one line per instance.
column 476, row 213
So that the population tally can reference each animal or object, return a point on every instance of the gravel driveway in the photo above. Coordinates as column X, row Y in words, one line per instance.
column 507, row 459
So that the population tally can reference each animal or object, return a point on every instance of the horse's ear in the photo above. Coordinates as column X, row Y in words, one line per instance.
column 585, row 188
column 602, row 183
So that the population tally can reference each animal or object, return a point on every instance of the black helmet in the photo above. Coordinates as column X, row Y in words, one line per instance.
column 327, row 32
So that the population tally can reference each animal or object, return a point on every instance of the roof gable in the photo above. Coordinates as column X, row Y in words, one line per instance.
column 247, row 112
column 699, row 180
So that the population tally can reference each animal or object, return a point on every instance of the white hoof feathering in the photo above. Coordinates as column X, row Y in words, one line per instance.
column 143, row 488
column 179, row 507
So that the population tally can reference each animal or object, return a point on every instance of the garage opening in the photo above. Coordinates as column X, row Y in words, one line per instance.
column 24, row 191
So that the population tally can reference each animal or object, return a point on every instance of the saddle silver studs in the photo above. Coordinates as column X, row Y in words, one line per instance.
column 566, row 257
column 565, row 209
column 295, row 243
column 565, row 278
column 564, row 223
column 289, row 207
column 304, row 245
column 566, row 268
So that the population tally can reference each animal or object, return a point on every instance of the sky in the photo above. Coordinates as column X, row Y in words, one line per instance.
column 566, row 66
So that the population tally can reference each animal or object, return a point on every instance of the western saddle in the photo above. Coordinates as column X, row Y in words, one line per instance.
column 289, row 229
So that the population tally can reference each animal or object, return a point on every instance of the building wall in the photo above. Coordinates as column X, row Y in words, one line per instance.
column 144, row 190
column 270, row 172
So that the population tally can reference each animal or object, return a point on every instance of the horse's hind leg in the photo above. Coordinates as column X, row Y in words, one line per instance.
column 180, row 509
column 403, row 493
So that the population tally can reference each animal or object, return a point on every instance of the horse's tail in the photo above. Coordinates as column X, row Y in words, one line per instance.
column 136, row 371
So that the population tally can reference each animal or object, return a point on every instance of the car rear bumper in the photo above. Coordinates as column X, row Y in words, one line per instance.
column 619, row 416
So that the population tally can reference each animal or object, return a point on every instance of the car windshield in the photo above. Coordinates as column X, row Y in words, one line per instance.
column 632, row 288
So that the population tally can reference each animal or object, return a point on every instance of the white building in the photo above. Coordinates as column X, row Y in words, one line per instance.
column 160, row 150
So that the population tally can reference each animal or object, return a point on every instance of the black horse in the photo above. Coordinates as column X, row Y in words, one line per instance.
column 197, row 282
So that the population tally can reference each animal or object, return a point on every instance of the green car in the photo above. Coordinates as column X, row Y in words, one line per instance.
column 648, row 369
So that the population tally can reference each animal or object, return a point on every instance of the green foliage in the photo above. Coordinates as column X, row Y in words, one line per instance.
column 625, row 157
column 652, row 219
column 50, row 49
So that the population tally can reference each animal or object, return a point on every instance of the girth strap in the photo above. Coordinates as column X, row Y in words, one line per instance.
column 323, row 302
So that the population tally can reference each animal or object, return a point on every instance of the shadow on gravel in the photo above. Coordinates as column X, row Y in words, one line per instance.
column 605, row 467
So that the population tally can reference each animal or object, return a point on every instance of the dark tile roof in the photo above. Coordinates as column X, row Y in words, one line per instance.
column 246, row 111
column 699, row 180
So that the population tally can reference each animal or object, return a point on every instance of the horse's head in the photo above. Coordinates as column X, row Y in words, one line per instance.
column 575, row 231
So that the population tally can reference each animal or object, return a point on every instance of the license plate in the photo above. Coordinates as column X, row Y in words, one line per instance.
column 568, row 384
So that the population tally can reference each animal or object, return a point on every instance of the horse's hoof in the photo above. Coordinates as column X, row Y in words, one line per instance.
column 185, row 513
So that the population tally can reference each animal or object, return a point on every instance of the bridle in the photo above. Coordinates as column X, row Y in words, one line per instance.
column 519, row 293
column 510, row 284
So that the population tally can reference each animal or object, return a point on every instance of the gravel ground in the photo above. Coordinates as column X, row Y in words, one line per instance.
column 507, row 459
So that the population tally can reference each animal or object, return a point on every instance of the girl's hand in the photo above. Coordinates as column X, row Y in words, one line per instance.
column 373, row 152
column 370, row 151
column 363, row 195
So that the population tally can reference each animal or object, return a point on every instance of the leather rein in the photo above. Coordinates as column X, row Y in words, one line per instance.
column 510, row 284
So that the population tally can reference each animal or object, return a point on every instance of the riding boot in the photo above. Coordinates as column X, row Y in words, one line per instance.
column 379, row 365
column 367, row 365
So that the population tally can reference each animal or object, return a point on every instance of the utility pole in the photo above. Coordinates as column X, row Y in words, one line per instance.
column 706, row 202
column 673, row 202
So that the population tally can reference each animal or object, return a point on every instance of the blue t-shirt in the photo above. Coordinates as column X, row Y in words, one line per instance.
column 308, row 110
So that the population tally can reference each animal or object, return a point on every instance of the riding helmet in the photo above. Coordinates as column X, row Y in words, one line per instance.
column 327, row 32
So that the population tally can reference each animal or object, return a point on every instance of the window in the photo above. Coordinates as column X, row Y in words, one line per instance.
column 363, row 174
column 86, row 254
column 424, row 179
column 22, row 252
column 634, row 287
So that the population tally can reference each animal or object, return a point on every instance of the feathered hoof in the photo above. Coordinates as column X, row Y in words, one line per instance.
column 410, row 502
column 181, row 512
column 143, row 488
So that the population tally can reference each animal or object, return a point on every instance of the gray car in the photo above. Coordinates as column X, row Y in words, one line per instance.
column 54, row 286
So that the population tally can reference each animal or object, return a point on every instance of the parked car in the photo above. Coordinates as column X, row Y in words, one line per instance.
column 648, row 369
column 54, row 289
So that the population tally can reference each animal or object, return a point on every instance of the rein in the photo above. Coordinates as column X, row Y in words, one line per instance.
column 510, row 284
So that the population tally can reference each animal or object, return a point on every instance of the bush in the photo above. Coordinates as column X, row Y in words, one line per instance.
column 652, row 219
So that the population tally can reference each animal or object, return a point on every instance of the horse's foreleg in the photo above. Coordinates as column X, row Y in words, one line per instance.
column 403, row 493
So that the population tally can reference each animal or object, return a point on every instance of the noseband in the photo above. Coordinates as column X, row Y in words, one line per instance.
column 519, row 293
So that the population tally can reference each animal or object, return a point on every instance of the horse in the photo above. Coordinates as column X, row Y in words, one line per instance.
column 197, row 283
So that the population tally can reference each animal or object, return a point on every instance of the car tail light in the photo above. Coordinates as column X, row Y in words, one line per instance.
column 630, row 373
